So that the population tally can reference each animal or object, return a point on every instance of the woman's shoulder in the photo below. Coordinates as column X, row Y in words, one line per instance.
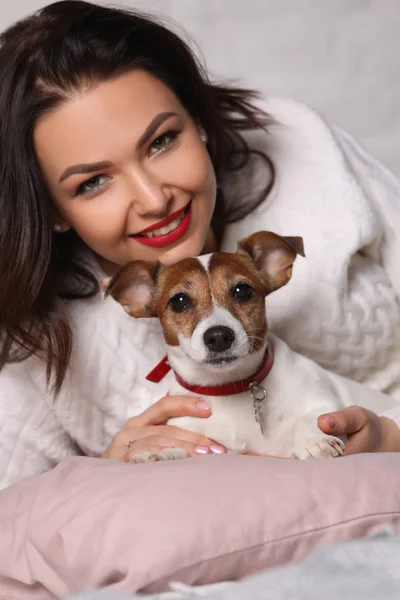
column 299, row 143
column 288, row 110
column 305, row 157
column 293, row 123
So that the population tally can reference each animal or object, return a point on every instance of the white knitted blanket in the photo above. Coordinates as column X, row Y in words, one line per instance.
column 341, row 307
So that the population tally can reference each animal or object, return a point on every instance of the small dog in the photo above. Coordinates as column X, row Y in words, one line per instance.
column 265, row 398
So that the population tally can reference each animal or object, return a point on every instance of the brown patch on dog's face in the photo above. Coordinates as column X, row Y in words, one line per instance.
column 184, row 285
column 236, row 286
column 184, row 294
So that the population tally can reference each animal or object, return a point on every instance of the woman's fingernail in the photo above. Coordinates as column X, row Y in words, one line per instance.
column 217, row 449
column 203, row 405
column 201, row 450
column 330, row 420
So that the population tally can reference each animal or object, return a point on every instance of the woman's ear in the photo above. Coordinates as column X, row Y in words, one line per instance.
column 59, row 224
column 202, row 133
column 61, row 227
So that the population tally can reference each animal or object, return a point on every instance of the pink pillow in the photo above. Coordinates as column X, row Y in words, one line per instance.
column 94, row 523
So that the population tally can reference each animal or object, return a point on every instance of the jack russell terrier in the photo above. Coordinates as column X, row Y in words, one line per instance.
column 265, row 398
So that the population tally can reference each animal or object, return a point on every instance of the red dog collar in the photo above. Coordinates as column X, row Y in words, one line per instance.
column 226, row 389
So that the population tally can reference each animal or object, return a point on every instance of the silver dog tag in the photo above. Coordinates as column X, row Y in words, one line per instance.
column 258, row 393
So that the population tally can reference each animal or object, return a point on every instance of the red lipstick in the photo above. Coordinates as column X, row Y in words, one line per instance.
column 159, row 241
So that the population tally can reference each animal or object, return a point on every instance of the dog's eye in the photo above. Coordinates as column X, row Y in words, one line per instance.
column 242, row 292
column 180, row 302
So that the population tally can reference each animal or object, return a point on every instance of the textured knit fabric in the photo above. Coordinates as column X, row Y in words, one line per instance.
column 341, row 307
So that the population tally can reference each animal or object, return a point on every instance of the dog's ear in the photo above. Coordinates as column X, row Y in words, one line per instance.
column 133, row 286
column 273, row 256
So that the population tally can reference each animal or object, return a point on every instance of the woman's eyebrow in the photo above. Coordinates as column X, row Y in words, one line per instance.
column 85, row 168
column 92, row 167
column 153, row 126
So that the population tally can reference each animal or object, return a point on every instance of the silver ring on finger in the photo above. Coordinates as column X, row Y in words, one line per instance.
column 130, row 444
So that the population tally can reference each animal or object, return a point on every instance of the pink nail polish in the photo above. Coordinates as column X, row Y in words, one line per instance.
column 201, row 450
column 330, row 420
column 203, row 405
column 217, row 449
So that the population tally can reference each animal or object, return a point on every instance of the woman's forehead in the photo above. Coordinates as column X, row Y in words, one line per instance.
column 95, row 119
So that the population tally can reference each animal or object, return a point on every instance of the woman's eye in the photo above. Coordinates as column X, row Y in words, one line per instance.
column 163, row 142
column 180, row 302
column 243, row 292
column 91, row 185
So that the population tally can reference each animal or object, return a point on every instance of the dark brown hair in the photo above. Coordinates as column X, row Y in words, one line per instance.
column 44, row 58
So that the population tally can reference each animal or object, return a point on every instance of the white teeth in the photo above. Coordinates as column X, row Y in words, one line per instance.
column 166, row 228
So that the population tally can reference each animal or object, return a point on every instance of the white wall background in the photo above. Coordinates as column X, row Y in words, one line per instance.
column 340, row 56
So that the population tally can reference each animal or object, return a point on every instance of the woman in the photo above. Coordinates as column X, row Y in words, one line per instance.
column 108, row 126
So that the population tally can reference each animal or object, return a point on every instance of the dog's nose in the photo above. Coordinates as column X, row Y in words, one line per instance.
column 219, row 338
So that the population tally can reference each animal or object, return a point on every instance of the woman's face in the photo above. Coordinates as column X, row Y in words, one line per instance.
column 128, row 171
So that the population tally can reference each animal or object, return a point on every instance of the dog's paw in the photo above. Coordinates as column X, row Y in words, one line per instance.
column 319, row 446
column 170, row 454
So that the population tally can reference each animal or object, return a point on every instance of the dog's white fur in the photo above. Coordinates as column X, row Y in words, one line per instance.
column 298, row 392
column 290, row 425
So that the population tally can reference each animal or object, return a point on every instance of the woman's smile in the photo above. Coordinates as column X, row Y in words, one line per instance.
column 167, row 231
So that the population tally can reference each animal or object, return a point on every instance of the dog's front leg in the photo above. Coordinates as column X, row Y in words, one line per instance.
column 310, row 442
column 167, row 454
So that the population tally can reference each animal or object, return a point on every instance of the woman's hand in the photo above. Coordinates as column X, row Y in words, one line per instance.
column 148, row 431
column 366, row 432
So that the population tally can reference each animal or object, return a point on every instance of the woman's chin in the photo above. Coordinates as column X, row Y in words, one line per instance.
column 187, row 249
column 193, row 245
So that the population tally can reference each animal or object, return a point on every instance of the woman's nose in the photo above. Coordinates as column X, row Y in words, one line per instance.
column 148, row 195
